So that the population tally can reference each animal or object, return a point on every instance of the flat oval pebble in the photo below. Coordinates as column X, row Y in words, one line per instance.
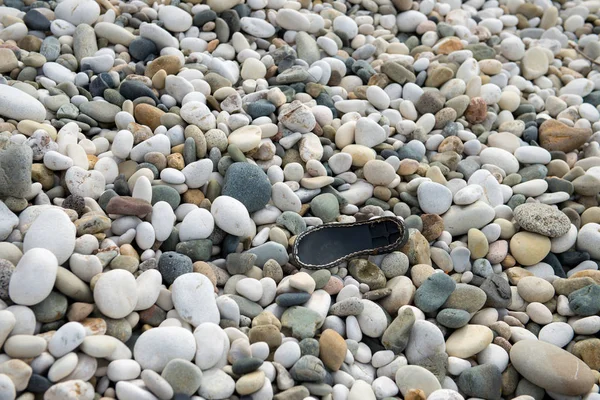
column 551, row 368
column 52, row 230
column 415, row 377
column 20, row 105
column 189, row 290
column 34, row 277
column 115, row 293
column 156, row 347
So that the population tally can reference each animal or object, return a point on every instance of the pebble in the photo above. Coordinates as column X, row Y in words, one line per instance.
column 152, row 352
column 187, row 291
column 539, row 363
column 230, row 215
column 434, row 198
column 115, row 293
column 542, row 219
column 20, row 105
column 415, row 377
column 33, row 278
column 468, row 341
column 61, row 242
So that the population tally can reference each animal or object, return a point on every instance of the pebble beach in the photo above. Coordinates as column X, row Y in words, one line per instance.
column 158, row 160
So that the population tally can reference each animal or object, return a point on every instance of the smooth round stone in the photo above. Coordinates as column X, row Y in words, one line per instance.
column 174, row 18
column 551, row 368
column 250, row 383
column 221, row 385
column 468, row 341
column 156, row 384
column 368, row 133
column 340, row 162
column 246, row 138
column 532, row 155
column 172, row 176
column 459, row 219
column 24, row 346
column 113, row 33
column 248, row 184
column 379, row 173
column 468, row 195
column 123, row 370
column 378, row 97
column 539, row 313
column 362, row 390
column 587, row 325
column 34, row 276
column 254, row 69
column 534, row 289
column 140, row 48
column 249, row 288
column 410, row 377
column 445, row 394
column 54, row 231
column 66, row 339
column 156, row 347
column 291, row 19
column 372, row 320
column 7, row 387
column 100, row 111
column 326, row 207
column 183, row 376
column 529, row 248
column 556, row 333
column 6, row 270
column 453, row 318
column 434, row 292
column 212, row 346
column 434, row 198
column 62, row 367
column 51, row 309
column 500, row 158
column 287, row 354
column 115, row 293
column 19, row 105
column 197, row 173
column 192, row 289
column 148, row 283
column 197, row 224
column 257, row 27
column 513, row 48
column 231, row 215
column 587, row 239
column 145, row 235
column 408, row 21
column 128, row 391
column 425, row 340
column 78, row 11
column 494, row 355
column 394, row 264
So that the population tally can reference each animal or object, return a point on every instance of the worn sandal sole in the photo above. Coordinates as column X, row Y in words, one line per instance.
column 331, row 244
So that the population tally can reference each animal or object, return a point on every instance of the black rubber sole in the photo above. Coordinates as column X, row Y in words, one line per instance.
column 331, row 244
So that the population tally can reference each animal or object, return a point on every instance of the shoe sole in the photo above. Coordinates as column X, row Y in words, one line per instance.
column 331, row 244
